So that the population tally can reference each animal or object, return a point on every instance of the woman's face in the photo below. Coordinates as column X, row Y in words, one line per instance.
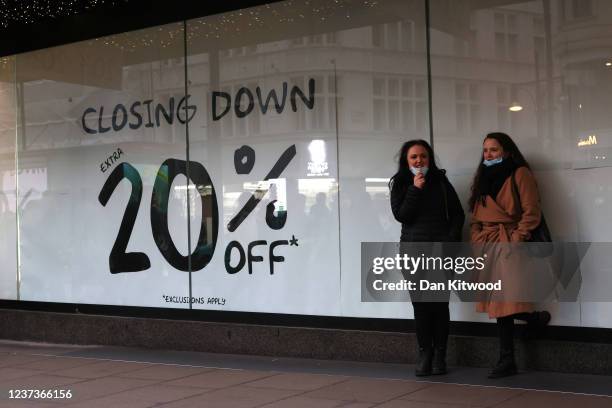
column 491, row 149
column 418, row 156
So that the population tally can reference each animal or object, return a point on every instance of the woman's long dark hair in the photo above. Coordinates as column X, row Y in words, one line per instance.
column 511, row 151
column 402, row 161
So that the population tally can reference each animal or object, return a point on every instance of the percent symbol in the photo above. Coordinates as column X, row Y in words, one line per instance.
column 280, row 165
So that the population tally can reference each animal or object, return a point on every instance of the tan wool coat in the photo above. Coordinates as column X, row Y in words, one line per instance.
column 498, row 221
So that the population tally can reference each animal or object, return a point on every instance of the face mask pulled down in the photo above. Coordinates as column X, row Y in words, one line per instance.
column 489, row 163
column 417, row 170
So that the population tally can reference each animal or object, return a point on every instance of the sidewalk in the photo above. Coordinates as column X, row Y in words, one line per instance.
column 110, row 377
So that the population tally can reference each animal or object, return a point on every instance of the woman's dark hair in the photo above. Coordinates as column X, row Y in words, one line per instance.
column 511, row 151
column 402, row 161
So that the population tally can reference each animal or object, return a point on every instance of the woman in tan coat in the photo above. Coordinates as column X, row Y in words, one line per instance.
column 497, row 218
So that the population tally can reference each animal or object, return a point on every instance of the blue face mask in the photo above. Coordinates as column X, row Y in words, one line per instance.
column 417, row 170
column 490, row 163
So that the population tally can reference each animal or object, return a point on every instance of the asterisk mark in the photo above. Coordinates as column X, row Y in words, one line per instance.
column 293, row 241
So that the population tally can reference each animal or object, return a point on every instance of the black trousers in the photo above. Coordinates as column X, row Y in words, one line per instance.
column 505, row 328
column 431, row 321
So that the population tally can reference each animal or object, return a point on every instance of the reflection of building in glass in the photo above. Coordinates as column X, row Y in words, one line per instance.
column 488, row 58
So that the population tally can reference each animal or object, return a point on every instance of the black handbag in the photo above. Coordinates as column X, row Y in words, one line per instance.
column 540, row 241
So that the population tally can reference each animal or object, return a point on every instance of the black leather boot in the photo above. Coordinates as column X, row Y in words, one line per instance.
column 506, row 366
column 423, row 367
column 438, row 366
column 539, row 319
column 536, row 322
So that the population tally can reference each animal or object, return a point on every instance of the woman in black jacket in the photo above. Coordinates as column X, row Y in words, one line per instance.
column 426, row 204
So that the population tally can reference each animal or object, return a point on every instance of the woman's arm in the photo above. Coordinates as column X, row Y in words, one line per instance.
column 476, row 234
column 404, row 201
column 476, row 231
column 530, row 204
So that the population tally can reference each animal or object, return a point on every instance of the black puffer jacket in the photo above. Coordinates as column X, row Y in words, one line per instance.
column 430, row 214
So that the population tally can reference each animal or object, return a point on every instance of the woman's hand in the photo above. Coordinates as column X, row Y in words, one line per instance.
column 419, row 180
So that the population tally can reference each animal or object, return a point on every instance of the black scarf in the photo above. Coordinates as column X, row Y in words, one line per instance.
column 493, row 178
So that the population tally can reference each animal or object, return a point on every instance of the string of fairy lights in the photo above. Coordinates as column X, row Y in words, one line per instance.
column 239, row 23
column 21, row 12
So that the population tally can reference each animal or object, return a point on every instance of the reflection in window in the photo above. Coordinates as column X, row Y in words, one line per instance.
column 408, row 34
column 506, row 35
column 577, row 9
column 466, row 47
column 379, row 113
column 312, row 188
column 399, row 104
column 538, row 26
column 318, row 39
column 238, row 52
column 378, row 35
column 394, row 36
column 506, row 96
column 539, row 45
column 233, row 126
column 323, row 116
column 511, row 21
column 512, row 46
column 500, row 46
column 467, row 106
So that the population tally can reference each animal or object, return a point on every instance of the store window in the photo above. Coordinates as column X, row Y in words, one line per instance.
column 577, row 9
column 506, row 35
column 323, row 117
column 317, row 39
column 399, row 104
column 234, row 126
column 394, row 36
column 467, row 106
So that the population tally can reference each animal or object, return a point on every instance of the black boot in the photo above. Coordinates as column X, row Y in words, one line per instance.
column 506, row 366
column 536, row 322
column 539, row 319
column 423, row 367
column 439, row 361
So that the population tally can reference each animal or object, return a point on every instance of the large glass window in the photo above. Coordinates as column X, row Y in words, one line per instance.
column 536, row 81
column 291, row 125
column 287, row 242
column 9, row 121
column 101, row 171
column 399, row 104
